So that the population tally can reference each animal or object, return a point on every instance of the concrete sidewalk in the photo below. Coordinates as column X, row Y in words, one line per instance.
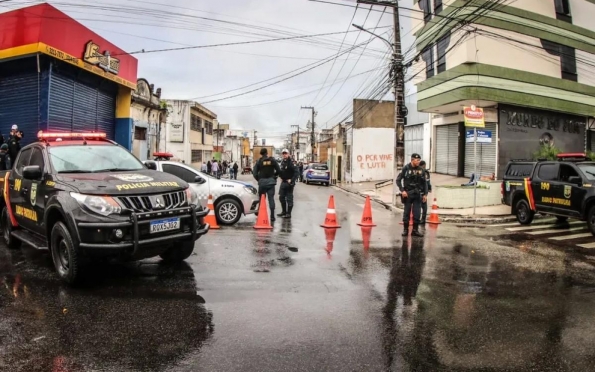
column 383, row 195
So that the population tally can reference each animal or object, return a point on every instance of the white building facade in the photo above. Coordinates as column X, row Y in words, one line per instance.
column 148, row 116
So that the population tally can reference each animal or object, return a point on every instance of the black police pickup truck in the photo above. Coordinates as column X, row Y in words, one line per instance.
column 563, row 188
column 82, row 197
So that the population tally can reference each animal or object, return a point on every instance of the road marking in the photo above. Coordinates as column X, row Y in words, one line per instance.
column 516, row 223
column 569, row 237
column 523, row 228
column 589, row 245
column 556, row 231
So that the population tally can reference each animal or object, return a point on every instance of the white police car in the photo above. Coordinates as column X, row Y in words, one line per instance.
column 231, row 198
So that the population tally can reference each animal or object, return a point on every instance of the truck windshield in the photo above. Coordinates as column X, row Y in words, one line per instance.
column 588, row 169
column 92, row 159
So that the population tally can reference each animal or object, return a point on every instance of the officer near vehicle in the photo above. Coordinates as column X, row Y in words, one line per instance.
column 289, row 175
column 414, row 190
column 424, row 205
column 14, row 142
column 266, row 172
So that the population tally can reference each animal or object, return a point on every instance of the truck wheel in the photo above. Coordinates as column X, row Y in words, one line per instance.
column 524, row 214
column 64, row 254
column 7, row 229
column 228, row 212
column 591, row 220
column 178, row 254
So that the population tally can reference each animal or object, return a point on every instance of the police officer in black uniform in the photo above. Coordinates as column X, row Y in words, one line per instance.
column 414, row 190
column 424, row 205
column 288, row 176
column 266, row 172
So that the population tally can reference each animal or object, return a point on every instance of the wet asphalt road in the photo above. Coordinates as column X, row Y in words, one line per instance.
column 460, row 299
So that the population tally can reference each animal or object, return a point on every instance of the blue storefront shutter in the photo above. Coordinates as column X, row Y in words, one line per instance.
column 85, row 108
column 61, row 104
column 106, row 113
column 19, row 105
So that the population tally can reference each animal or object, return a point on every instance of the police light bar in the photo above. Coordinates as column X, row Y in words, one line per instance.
column 572, row 155
column 42, row 135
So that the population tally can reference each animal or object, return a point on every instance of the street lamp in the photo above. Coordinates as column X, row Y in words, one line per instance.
column 390, row 45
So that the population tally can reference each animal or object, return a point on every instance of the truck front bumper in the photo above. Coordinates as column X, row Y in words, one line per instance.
column 133, row 235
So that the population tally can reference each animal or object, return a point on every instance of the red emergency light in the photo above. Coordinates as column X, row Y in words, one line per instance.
column 571, row 155
column 42, row 135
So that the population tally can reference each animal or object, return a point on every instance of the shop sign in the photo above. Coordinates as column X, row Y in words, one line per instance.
column 105, row 61
column 176, row 132
column 483, row 136
column 474, row 117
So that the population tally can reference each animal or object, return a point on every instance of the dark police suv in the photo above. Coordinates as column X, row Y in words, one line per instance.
column 563, row 188
column 82, row 197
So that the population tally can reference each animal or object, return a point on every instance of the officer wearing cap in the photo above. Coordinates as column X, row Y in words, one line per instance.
column 414, row 190
column 266, row 172
column 288, row 176
column 14, row 142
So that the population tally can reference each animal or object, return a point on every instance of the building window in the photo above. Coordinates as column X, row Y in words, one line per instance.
column 428, row 57
column 195, row 123
column 563, row 10
column 196, row 156
column 567, row 58
column 442, row 46
column 209, row 127
column 140, row 133
column 425, row 7
column 437, row 6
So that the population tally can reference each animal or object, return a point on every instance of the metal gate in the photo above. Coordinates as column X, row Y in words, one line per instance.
column 447, row 149
column 486, row 154
column 78, row 107
column 414, row 141
column 19, row 105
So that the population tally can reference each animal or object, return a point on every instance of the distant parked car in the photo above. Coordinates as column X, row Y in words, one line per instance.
column 231, row 199
column 317, row 173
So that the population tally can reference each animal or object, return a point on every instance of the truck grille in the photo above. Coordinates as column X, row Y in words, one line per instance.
column 148, row 203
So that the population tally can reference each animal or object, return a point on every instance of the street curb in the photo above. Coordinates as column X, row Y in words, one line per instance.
column 451, row 218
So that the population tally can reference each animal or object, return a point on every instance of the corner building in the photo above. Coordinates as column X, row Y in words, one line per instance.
column 530, row 64
column 57, row 75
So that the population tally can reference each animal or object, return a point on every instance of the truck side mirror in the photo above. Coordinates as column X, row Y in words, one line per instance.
column 32, row 172
column 199, row 180
column 575, row 180
column 151, row 165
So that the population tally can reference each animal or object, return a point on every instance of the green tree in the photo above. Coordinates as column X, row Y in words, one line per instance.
column 548, row 152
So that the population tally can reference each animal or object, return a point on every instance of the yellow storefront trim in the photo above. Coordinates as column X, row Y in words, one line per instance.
column 65, row 57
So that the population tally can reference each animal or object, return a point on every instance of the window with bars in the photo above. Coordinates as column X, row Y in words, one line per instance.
column 437, row 6
column 442, row 45
column 209, row 127
column 426, row 8
column 196, row 156
column 428, row 57
column 140, row 133
column 195, row 123
column 567, row 58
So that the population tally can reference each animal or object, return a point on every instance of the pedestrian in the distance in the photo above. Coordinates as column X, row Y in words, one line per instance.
column 288, row 177
column 203, row 167
column 215, row 168
column 424, row 204
column 234, row 169
column 4, row 157
column 266, row 170
column 301, row 171
column 209, row 167
column 14, row 142
column 414, row 190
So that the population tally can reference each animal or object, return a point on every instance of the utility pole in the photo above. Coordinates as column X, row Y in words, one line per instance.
column 313, row 138
column 397, row 73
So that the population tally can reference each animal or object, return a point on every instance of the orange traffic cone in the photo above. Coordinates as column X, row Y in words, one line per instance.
column 367, row 216
column 366, row 236
column 434, row 219
column 410, row 219
column 330, row 222
column 211, row 219
column 330, row 235
column 262, row 221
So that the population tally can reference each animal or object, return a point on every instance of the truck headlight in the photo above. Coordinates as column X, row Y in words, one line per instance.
column 103, row 205
column 191, row 196
column 251, row 189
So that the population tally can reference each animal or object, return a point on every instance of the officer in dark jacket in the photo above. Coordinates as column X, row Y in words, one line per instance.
column 4, row 157
column 414, row 190
column 424, row 205
column 14, row 142
column 289, row 175
column 266, row 172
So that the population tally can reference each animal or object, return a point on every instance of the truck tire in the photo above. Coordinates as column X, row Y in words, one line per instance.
column 7, row 229
column 64, row 254
column 591, row 220
column 176, row 254
column 228, row 212
column 524, row 214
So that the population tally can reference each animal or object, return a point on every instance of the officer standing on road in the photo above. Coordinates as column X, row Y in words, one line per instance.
column 424, row 205
column 288, row 178
column 266, row 172
column 414, row 190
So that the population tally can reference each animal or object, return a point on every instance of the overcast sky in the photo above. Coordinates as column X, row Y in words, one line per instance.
column 201, row 74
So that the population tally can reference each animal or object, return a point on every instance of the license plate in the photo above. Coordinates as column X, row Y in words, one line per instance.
column 320, row 174
column 168, row 224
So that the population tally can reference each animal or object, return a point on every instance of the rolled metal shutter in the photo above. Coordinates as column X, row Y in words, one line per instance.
column 453, row 149
column 414, row 141
column 85, row 108
column 442, row 149
column 61, row 104
column 18, row 105
column 106, row 113
column 486, row 155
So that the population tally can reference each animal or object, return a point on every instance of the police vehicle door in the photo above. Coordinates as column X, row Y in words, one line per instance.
column 189, row 175
column 573, row 194
column 19, row 193
column 546, row 186
column 37, row 189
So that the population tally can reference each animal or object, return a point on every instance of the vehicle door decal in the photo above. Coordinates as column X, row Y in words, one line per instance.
column 529, row 194
column 33, row 193
column 13, row 220
column 567, row 191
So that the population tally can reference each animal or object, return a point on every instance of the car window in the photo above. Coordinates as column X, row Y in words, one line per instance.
column 567, row 171
column 588, row 169
column 22, row 160
column 548, row 172
column 519, row 170
column 183, row 173
column 37, row 158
